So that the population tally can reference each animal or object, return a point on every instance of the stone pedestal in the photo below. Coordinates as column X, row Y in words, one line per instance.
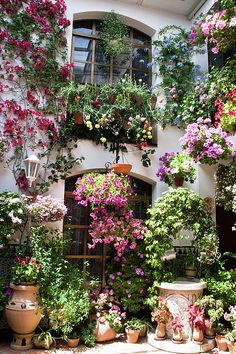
column 179, row 295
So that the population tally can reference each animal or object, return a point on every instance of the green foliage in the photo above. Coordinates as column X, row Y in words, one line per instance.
column 173, row 56
column 177, row 210
column 3, row 296
column 113, row 35
column 213, row 309
column 225, row 181
column 64, row 298
column 86, row 335
column 134, row 324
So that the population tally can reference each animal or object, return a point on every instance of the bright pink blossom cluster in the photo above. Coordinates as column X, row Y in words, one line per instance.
column 196, row 317
column 205, row 143
column 218, row 29
column 226, row 113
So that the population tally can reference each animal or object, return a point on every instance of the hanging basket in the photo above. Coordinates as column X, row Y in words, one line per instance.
column 178, row 181
column 124, row 168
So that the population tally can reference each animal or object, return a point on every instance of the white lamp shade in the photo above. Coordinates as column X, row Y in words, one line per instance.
column 32, row 165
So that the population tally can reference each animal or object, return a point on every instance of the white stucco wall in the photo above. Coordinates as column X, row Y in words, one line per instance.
column 149, row 21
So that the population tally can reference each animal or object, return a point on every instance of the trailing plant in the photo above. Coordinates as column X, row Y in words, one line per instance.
column 175, row 211
column 173, row 56
column 226, row 112
column 113, row 35
column 33, row 70
column 206, row 144
column 112, row 116
column 112, row 218
column 225, row 185
column 129, row 277
column 217, row 28
column 200, row 100
column 174, row 165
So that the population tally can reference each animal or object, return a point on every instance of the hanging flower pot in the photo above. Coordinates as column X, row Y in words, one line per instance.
column 124, row 168
column 23, row 315
column 178, row 181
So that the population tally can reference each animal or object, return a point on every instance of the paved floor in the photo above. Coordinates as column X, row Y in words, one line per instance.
column 117, row 346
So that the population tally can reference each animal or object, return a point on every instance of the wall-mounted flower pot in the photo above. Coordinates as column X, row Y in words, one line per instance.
column 79, row 118
column 124, row 168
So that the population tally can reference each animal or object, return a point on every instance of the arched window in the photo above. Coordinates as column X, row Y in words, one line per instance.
column 78, row 220
column 91, row 65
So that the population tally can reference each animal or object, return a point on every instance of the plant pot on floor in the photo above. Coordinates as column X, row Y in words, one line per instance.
column 231, row 346
column 103, row 331
column 73, row 342
column 221, row 342
column 23, row 315
column 132, row 335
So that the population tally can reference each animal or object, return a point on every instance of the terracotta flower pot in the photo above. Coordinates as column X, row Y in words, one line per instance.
column 73, row 342
column 132, row 335
column 198, row 336
column 160, row 331
column 177, row 337
column 103, row 332
column 221, row 342
column 231, row 346
column 209, row 333
column 178, row 181
column 23, row 315
column 124, row 168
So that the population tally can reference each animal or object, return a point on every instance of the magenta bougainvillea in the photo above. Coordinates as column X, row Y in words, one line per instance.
column 33, row 70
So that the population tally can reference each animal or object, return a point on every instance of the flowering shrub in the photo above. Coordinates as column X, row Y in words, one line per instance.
column 46, row 209
column 173, row 57
column 112, row 219
column 108, row 309
column 225, row 185
column 161, row 313
column 129, row 277
column 226, row 114
column 204, row 143
column 218, row 28
column 174, row 165
column 12, row 217
column 231, row 316
column 26, row 270
column 199, row 101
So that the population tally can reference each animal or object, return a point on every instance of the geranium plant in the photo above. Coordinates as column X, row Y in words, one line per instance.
column 226, row 113
column 174, row 165
column 225, row 185
column 217, row 28
column 46, row 208
column 205, row 143
column 26, row 270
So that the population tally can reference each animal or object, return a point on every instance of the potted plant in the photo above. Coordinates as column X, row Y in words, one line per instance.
column 213, row 310
column 176, row 168
column 220, row 337
column 198, row 322
column 72, row 339
column 44, row 340
column 226, row 113
column 190, row 267
column 132, row 329
column 22, row 310
column 177, row 327
column 46, row 209
column 113, row 35
column 161, row 315
column 231, row 341
column 206, row 144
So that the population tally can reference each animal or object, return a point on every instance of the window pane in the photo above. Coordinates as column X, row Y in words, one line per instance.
column 140, row 58
column 82, row 49
column 95, row 268
column 82, row 72
column 83, row 27
column 123, row 60
column 77, row 241
column 140, row 38
column 101, row 74
column 99, row 56
column 76, row 214
column 140, row 77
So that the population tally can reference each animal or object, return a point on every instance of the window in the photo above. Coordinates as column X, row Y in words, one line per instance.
column 91, row 66
column 78, row 220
